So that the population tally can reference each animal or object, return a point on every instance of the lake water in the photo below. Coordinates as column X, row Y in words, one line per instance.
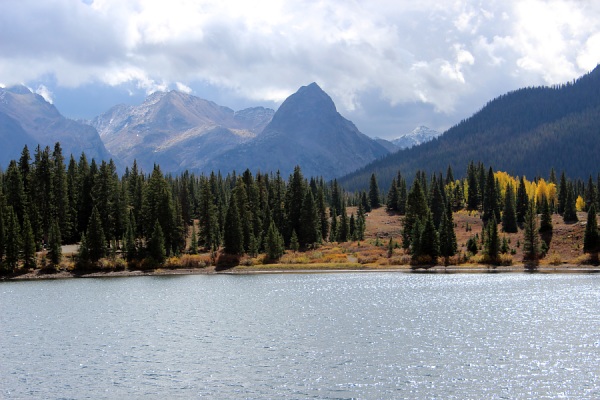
column 335, row 335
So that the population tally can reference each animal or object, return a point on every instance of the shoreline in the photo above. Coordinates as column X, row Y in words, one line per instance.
column 310, row 269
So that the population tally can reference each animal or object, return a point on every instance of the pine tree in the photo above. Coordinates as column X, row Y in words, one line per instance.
column 416, row 209
column 193, row 240
column 562, row 193
column 274, row 245
column 233, row 235
column 309, row 221
column 28, row 244
column 360, row 223
column 156, row 244
column 402, row 195
column 131, row 250
column 352, row 225
column 208, row 216
column 591, row 239
column 294, row 244
column 333, row 230
column 546, row 219
column 448, row 245
column 390, row 248
column 522, row 202
column 429, row 244
column 509, row 215
column 95, row 239
column 570, row 211
column 492, row 242
column 374, row 192
column 322, row 212
column 438, row 206
column 531, row 238
column 54, row 241
column 13, row 240
column 2, row 230
column 490, row 199
column 60, row 193
column 473, row 192
column 393, row 196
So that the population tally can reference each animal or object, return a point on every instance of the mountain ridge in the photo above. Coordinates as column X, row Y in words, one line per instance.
column 43, row 124
column 509, row 132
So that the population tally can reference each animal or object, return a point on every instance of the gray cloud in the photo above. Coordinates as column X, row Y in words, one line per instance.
column 407, row 61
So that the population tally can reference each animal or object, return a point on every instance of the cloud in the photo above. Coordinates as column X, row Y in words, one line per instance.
column 45, row 93
column 450, row 56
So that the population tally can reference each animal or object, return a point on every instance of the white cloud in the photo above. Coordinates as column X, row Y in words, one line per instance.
column 452, row 56
column 45, row 93
column 183, row 88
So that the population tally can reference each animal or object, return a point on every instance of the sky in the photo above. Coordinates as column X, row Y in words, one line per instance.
column 389, row 65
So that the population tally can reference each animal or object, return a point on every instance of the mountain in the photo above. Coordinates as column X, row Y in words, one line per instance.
column 419, row 135
column 528, row 131
column 27, row 119
column 177, row 130
column 306, row 130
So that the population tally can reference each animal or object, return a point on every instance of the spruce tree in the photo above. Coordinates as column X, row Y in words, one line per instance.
column 361, row 224
column 352, row 226
column 438, row 206
column 131, row 250
column 95, row 239
column 393, row 197
column 274, row 245
column 2, row 230
column 54, row 241
column 546, row 218
column 491, row 208
column 416, row 209
column 374, row 192
column 562, row 193
column 522, row 202
column 343, row 227
column 473, row 188
column 156, row 244
column 429, row 244
column 402, row 195
column 13, row 240
column 28, row 244
column 492, row 242
column 448, row 245
column 531, row 238
column 294, row 243
column 193, row 240
column 309, row 221
column 233, row 235
column 322, row 212
column 591, row 239
column 509, row 215
column 570, row 211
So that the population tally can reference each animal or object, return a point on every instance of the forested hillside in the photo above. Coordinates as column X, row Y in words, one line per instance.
column 525, row 132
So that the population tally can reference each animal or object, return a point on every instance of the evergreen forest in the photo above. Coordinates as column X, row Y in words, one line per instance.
column 144, row 220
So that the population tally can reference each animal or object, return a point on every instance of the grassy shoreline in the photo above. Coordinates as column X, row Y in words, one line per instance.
column 309, row 268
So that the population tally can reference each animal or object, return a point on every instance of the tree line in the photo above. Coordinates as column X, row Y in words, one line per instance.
column 46, row 203
column 145, row 218
column 504, row 202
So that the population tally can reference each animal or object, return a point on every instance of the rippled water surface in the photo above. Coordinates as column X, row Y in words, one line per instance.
column 369, row 335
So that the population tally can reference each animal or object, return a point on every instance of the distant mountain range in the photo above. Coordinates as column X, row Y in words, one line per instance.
column 528, row 131
column 419, row 135
column 183, row 132
column 177, row 131
column 27, row 119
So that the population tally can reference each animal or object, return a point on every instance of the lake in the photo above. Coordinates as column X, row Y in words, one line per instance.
column 334, row 335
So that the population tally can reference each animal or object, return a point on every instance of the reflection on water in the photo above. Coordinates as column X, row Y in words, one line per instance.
column 376, row 335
